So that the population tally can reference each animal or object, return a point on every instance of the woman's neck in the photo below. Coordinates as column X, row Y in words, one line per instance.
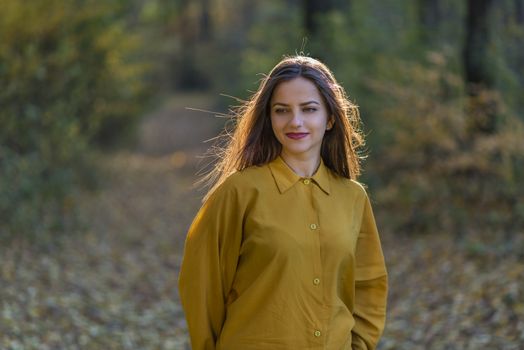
column 304, row 167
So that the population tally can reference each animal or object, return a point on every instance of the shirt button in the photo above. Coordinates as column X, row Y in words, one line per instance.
column 306, row 182
column 316, row 281
column 313, row 226
column 317, row 334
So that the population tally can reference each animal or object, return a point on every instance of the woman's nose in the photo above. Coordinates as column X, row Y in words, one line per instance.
column 296, row 119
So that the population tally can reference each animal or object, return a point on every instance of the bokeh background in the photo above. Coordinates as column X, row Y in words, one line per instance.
column 105, row 107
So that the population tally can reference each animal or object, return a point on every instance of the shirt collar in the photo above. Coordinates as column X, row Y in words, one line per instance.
column 285, row 177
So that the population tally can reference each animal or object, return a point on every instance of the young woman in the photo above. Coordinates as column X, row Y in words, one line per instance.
column 285, row 254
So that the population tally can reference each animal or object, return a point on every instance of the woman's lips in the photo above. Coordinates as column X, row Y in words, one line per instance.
column 296, row 135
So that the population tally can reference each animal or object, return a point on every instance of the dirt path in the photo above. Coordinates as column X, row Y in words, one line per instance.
column 114, row 287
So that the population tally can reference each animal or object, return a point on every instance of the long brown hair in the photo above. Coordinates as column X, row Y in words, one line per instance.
column 253, row 142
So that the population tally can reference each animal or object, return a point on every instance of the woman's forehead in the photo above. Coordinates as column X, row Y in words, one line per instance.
column 296, row 89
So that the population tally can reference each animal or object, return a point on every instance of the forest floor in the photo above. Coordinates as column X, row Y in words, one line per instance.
column 114, row 284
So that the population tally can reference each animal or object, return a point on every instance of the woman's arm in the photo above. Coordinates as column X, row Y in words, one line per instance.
column 370, row 285
column 208, row 266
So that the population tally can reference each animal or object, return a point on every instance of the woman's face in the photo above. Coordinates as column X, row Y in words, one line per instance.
column 299, row 118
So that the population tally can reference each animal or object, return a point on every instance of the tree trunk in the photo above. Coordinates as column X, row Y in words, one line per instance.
column 481, row 109
column 519, row 11
column 193, row 27
column 476, row 45
column 205, row 21
column 430, row 15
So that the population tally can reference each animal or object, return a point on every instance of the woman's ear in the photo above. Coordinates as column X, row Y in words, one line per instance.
column 330, row 123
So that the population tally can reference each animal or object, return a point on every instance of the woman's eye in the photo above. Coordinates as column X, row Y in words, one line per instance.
column 280, row 110
column 310, row 109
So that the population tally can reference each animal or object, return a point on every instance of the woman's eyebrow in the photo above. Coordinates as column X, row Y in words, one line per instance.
column 310, row 102
column 302, row 104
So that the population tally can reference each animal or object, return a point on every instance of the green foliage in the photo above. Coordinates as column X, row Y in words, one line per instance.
column 275, row 32
column 247, row 40
column 68, row 83
column 507, row 56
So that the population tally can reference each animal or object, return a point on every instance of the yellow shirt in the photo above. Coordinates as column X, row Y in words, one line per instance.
column 274, row 261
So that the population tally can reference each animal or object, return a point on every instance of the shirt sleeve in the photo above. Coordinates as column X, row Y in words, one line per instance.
column 208, row 266
column 370, row 284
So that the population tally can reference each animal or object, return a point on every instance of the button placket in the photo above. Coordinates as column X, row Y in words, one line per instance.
column 313, row 226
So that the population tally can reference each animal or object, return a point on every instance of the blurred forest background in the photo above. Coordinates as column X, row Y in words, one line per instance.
column 98, row 154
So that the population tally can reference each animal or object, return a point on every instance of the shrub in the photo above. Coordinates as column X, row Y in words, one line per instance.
column 434, row 172
column 67, row 85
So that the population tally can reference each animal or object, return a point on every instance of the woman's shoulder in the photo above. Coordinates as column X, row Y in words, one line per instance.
column 349, row 185
column 240, row 187
column 248, row 176
column 242, row 181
